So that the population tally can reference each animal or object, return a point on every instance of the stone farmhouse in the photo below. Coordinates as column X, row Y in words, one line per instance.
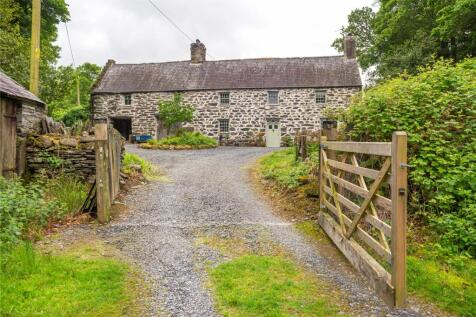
column 239, row 102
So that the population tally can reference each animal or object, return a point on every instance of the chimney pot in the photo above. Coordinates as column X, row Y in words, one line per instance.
column 350, row 50
column 198, row 52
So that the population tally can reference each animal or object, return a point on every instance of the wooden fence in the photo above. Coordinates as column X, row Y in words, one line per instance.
column 364, row 210
column 108, row 147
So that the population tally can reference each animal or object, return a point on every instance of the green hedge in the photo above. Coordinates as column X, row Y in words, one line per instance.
column 438, row 110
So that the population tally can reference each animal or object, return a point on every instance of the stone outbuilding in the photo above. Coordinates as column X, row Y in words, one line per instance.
column 239, row 102
column 21, row 113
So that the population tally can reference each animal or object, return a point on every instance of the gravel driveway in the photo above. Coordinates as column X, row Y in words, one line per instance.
column 209, row 191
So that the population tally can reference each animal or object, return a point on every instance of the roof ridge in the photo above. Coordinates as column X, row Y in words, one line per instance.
column 235, row 59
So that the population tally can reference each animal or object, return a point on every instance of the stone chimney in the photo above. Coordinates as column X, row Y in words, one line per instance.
column 350, row 50
column 198, row 52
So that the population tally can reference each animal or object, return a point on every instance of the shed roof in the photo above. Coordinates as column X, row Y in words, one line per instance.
column 14, row 90
column 262, row 73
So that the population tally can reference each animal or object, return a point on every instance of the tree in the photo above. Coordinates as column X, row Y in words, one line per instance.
column 406, row 34
column 172, row 112
column 360, row 26
column 61, row 92
column 15, row 33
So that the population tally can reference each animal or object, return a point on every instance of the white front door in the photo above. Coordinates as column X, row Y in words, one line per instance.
column 273, row 133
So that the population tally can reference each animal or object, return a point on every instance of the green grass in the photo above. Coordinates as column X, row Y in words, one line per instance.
column 281, row 167
column 149, row 171
column 451, row 289
column 184, row 140
column 268, row 286
column 32, row 284
column 69, row 190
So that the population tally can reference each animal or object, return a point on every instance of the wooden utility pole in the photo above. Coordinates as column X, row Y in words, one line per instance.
column 35, row 46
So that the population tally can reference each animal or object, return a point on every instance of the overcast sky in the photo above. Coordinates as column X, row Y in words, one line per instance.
column 132, row 31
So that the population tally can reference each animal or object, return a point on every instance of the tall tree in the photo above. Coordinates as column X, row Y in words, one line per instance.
column 15, row 31
column 405, row 34
column 360, row 26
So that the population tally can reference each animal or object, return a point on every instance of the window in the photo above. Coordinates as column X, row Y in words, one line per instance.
column 225, row 98
column 273, row 97
column 127, row 99
column 320, row 96
column 224, row 125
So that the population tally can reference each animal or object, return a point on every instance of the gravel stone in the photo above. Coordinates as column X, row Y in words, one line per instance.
column 208, row 192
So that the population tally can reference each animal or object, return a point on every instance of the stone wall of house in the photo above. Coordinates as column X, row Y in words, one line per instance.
column 29, row 116
column 51, row 153
column 247, row 111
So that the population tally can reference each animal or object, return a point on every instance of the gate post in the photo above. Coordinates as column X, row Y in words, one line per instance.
column 399, row 216
column 103, row 197
column 321, row 173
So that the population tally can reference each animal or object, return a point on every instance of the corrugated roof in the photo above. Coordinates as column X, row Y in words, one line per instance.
column 12, row 89
column 263, row 73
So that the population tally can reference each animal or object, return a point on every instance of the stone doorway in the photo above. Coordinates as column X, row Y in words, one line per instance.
column 123, row 125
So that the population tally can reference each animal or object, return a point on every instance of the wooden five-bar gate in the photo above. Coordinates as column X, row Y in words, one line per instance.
column 363, row 209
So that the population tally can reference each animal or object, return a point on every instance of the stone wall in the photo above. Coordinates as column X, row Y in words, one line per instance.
column 29, row 116
column 247, row 112
column 51, row 153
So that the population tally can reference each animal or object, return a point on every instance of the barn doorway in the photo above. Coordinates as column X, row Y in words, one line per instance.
column 123, row 125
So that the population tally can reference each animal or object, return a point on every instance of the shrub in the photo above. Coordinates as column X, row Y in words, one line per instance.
column 438, row 110
column 149, row 171
column 173, row 111
column 23, row 208
column 184, row 140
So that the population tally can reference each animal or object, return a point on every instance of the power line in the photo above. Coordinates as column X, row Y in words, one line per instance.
column 69, row 43
column 78, row 98
column 170, row 20
column 173, row 23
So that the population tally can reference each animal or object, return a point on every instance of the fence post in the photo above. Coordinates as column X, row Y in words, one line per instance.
column 399, row 216
column 329, row 130
column 321, row 173
column 103, row 197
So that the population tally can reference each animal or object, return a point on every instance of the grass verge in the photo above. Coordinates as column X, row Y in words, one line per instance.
column 254, row 285
column 446, row 282
column 35, row 284
column 149, row 171
column 182, row 141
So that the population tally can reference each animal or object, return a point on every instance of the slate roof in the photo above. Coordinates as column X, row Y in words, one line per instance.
column 14, row 90
column 263, row 73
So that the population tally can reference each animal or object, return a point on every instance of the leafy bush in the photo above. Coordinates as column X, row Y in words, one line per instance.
column 23, row 208
column 75, row 114
column 184, row 140
column 438, row 110
column 173, row 111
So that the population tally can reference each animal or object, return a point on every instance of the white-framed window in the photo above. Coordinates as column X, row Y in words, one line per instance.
column 225, row 98
column 320, row 96
column 273, row 97
column 224, row 125
column 127, row 99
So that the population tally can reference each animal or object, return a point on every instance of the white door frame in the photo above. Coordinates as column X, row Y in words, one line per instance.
column 273, row 132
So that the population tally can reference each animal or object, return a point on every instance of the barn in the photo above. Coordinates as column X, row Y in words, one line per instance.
column 21, row 113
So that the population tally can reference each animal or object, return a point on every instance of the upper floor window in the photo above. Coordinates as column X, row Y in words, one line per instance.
column 273, row 97
column 127, row 99
column 320, row 96
column 225, row 98
column 224, row 125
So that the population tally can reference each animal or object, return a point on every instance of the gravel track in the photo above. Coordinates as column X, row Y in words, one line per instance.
column 208, row 192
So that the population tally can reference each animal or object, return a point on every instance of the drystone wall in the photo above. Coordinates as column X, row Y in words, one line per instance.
column 47, row 154
column 247, row 111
